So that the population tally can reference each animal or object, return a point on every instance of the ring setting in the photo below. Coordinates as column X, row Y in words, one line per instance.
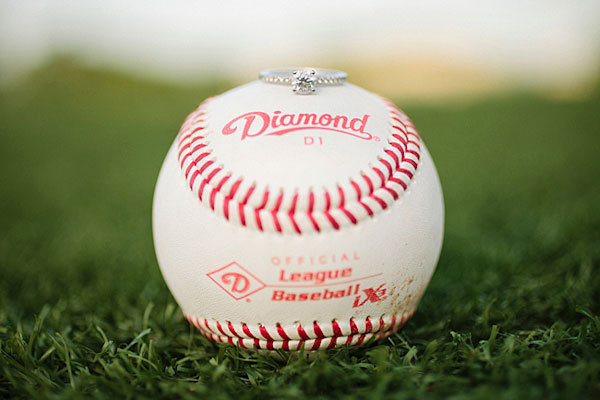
column 303, row 80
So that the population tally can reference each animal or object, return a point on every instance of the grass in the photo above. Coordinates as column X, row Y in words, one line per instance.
column 512, row 311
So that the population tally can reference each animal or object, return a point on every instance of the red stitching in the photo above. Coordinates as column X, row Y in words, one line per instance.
column 217, row 188
column 394, row 156
column 399, row 182
column 194, row 140
column 302, row 332
column 206, row 165
column 332, row 220
column 198, row 147
column 406, row 172
column 398, row 137
column 358, row 195
column 265, row 333
column 277, row 336
column 348, row 214
column 391, row 192
column 247, row 331
column 400, row 157
column 205, row 180
column 311, row 204
column 318, row 330
column 387, row 166
column 360, row 340
column 183, row 148
column 276, row 210
column 193, row 178
column 292, row 212
column 220, row 328
column 231, row 329
column 228, row 198
column 369, row 183
column 185, row 158
column 337, row 331
column 353, row 327
column 243, row 204
column 380, row 175
column 332, row 343
column 316, row 344
column 192, row 132
column 189, row 168
column 412, row 162
column 206, row 323
column 379, row 200
column 282, row 333
column 260, row 208
column 399, row 148
column 200, row 157
column 414, row 153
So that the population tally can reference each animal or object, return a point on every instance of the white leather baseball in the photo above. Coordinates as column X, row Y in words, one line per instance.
column 288, row 221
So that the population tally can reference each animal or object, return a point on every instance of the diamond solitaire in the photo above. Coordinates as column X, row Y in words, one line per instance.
column 304, row 80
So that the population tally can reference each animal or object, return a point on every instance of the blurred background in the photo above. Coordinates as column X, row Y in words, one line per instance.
column 505, row 94
column 425, row 50
column 92, row 93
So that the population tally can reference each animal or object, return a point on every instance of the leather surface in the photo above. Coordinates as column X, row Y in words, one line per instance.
column 391, row 255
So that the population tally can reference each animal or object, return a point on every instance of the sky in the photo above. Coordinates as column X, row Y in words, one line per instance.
column 532, row 42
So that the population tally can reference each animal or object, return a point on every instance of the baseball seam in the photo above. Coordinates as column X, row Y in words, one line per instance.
column 295, row 337
column 250, row 205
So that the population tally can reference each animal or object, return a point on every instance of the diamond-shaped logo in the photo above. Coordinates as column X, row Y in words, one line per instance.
column 236, row 280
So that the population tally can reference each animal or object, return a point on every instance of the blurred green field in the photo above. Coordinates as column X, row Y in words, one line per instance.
column 511, row 312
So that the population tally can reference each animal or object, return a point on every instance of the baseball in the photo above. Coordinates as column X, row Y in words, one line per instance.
column 287, row 220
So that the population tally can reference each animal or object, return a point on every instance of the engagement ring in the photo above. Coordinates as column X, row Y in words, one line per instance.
column 303, row 80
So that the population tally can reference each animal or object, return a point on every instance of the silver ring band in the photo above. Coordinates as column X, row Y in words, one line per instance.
column 303, row 80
